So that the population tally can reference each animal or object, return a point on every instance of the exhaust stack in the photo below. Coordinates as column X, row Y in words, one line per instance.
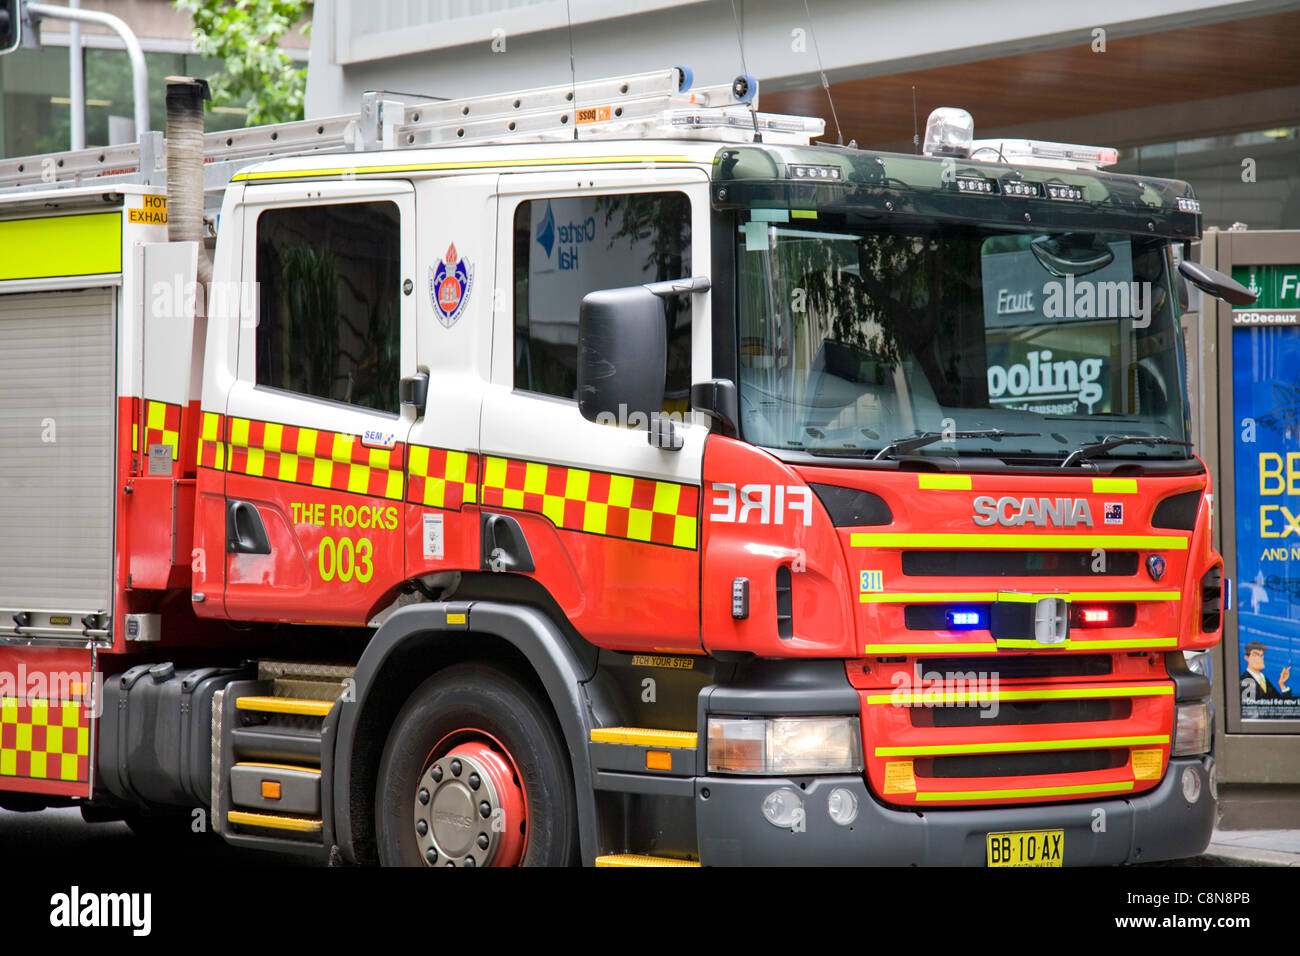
column 185, row 97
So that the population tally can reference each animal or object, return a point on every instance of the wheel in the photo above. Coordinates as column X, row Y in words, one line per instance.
column 474, row 773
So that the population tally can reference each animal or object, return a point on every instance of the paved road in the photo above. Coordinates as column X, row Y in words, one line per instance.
column 53, row 835
column 60, row 834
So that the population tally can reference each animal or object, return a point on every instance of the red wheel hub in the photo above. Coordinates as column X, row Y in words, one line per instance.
column 470, row 806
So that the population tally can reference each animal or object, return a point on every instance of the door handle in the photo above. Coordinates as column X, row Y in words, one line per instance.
column 245, row 533
column 414, row 391
column 504, row 547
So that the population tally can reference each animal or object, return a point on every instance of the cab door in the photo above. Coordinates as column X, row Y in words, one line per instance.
column 611, row 522
column 314, row 429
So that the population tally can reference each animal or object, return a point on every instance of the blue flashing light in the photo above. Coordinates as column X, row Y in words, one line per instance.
column 965, row 619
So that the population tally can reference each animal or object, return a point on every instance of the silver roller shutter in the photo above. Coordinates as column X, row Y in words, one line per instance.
column 57, row 369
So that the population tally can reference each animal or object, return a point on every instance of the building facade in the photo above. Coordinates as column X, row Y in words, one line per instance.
column 35, row 95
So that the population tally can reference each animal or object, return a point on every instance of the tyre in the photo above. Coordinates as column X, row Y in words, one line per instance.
column 475, row 773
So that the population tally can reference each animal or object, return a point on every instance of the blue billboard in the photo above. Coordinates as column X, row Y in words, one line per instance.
column 1266, row 404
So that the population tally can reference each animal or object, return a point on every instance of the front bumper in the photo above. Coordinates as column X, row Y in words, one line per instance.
column 1156, row 825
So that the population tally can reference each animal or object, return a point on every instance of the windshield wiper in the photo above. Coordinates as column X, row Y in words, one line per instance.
column 901, row 446
column 1093, row 449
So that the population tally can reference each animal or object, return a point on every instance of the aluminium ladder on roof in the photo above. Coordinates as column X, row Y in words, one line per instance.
column 636, row 106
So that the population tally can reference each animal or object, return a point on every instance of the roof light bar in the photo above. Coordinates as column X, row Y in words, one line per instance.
column 1035, row 152
column 741, row 118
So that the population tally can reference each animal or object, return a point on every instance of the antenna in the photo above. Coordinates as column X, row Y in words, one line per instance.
column 839, row 136
column 740, row 42
column 916, row 132
column 573, row 73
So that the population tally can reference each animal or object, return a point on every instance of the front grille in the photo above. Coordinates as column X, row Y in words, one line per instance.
column 1017, row 713
column 989, row 564
column 1021, row 765
column 1016, row 667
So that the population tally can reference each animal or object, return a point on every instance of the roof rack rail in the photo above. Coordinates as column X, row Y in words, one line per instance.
column 661, row 103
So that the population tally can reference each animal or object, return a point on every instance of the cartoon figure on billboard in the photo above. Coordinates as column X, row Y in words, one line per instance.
column 1256, row 688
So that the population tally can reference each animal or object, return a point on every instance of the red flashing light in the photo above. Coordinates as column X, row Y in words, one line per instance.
column 1096, row 615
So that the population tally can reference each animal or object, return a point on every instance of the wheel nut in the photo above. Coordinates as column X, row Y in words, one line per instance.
column 432, row 855
column 474, row 781
column 455, row 768
column 421, row 827
column 424, row 796
column 469, row 861
column 437, row 774
column 485, row 810
column 482, row 841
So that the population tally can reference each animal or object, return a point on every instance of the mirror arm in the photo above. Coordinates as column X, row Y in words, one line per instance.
column 717, row 398
column 1216, row 283
column 673, row 287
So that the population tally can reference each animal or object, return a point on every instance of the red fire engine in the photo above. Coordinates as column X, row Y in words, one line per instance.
column 604, row 474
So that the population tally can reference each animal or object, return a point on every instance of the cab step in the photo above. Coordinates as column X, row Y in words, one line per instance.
column 636, row 759
column 645, row 737
column 639, row 859
column 273, row 763
column 285, row 705
column 272, row 821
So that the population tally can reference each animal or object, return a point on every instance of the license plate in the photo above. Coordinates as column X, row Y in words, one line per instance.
column 1026, row 848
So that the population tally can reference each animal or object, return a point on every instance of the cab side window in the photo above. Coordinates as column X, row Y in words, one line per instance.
column 567, row 247
column 329, row 302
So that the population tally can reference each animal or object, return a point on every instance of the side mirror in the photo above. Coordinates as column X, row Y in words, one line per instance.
column 622, row 354
column 1216, row 283
column 414, row 390
column 11, row 25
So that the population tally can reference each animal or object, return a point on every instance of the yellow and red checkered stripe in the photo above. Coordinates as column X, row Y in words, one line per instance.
column 162, row 426
column 618, row 506
column 441, row 478
column 44, row 740
column 595, row 502
column 311, row 456
column 212, row 445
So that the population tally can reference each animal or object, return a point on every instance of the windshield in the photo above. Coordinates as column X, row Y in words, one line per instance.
column 853, row 337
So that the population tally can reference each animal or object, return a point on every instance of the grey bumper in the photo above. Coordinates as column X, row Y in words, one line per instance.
column 1157, row 825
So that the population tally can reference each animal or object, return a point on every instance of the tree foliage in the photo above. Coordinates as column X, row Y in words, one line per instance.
column 258, row 74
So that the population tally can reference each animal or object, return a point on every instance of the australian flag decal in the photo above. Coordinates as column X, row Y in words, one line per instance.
column 449, row 286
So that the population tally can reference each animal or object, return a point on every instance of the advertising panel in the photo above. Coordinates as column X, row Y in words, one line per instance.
column 1266, row 418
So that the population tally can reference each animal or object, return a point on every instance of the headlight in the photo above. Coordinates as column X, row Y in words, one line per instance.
column 784, row 745
column 1191, row 729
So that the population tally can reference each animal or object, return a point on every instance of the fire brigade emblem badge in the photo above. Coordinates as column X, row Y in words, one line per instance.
column 450, row 282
